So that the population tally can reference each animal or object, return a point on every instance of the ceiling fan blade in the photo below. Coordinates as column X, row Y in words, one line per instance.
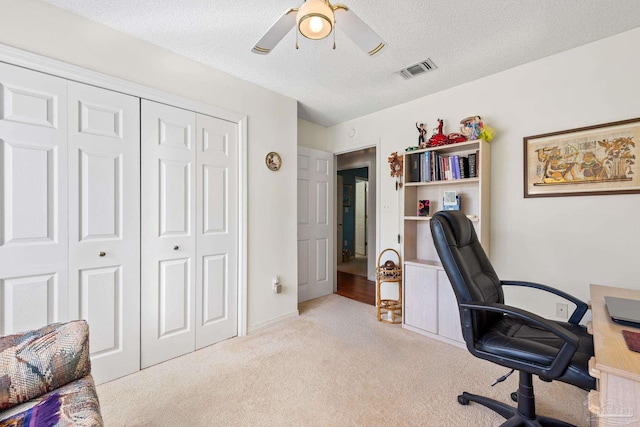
column 355, row 28
column 277, row 31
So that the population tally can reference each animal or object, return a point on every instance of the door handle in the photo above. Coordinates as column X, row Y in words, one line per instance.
column 176, row 247
column 102, row 253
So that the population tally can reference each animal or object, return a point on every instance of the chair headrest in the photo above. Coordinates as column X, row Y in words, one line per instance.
column 461, row 227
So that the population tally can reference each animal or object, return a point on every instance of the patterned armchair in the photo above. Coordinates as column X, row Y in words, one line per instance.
column 45, row 378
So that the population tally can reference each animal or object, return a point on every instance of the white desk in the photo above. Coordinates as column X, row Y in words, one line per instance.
column 616, row 402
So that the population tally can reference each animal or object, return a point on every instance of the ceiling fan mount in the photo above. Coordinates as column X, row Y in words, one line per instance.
column 315, row 20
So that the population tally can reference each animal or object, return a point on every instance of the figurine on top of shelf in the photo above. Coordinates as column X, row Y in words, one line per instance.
column 423, row 132
column 473, row 128
column 438, row 138
column 454, row 137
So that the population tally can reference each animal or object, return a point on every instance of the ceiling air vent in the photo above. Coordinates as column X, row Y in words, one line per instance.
column 416, row 69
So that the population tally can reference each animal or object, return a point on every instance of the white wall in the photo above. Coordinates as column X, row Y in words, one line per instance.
column 272, row 126
column 311, row 135
column 567, row 242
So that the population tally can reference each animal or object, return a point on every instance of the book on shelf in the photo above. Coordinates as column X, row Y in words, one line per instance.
column 422, row 167
column 463, row 164
column 423, row 207
column 456, row 166
column 432, row 166
column 427, row 166
column 472, row 165
column 414, row 168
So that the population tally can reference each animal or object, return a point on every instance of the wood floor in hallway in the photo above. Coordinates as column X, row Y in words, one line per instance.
column 357, row 288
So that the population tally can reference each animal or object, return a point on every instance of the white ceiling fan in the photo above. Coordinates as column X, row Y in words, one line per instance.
column 315, row 20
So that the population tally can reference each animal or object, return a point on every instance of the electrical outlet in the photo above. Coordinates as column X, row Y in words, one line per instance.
column 562, row 310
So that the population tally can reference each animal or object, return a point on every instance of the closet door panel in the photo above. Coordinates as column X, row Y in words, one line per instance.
column 175, row 198
column 174, row 294
column 168, row 232
column 100, row 294
column 104, row 225
column 217, row 230
column 29, row 302
column 33, row 199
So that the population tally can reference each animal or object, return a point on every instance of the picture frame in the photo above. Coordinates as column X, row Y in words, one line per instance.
column 273, row 161
column 346, row 195
column 593, row 160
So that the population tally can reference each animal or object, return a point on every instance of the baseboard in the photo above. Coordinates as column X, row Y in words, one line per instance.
column 272, row 322
column 434, row 336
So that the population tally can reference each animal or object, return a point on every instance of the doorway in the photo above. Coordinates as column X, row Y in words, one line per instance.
column 356, row 224
column 353, row 251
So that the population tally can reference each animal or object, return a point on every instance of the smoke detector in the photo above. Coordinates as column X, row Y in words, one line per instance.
column 417, row 69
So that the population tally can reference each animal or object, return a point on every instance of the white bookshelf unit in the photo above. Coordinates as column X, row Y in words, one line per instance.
column 429, row 302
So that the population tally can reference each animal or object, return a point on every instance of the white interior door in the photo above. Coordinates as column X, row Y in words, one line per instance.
column 104, row 225
column 217, row 230
column 315, row 224
column 361, row 217
column 33, row 200
column 168, row 232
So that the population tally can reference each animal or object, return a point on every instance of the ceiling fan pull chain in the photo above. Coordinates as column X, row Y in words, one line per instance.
column 297, row 40
column 334, row 37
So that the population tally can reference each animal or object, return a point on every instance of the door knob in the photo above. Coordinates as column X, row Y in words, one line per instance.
column 176, row 247
column 101, row 253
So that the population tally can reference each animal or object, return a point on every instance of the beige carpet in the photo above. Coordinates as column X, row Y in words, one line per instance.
column 334, row 365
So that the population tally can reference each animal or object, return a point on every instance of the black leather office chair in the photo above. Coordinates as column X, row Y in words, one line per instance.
column 507, row 335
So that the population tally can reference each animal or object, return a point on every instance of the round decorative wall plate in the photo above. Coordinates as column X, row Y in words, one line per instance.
column 273, row 161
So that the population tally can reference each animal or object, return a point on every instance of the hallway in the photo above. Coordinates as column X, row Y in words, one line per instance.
column 355, row 265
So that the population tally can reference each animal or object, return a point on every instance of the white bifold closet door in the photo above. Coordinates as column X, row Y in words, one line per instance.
column 217, row 230
column 104, row 225
column 70, row 213
column 33, row 200
column 189, row 231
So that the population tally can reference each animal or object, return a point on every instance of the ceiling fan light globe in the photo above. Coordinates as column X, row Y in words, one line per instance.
column 315, row 19
column 315, row 24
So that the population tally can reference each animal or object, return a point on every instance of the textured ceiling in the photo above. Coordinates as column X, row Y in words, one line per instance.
column 466, row 39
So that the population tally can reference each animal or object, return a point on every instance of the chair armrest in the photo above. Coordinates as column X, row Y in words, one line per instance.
column 581, row 306
column 564, row 355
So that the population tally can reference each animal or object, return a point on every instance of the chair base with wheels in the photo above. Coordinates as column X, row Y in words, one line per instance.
column 524, row 414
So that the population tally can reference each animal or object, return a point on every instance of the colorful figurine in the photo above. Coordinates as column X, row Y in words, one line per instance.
column 423, row 132
column 474, row 128
column 438, row 138
column 453, row 137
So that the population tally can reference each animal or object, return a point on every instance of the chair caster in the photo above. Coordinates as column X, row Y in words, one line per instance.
column 463, row 400
column 514, row 396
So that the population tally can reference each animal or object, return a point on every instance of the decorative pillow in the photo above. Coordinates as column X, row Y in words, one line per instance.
column 44, row 414
column 36, row 362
